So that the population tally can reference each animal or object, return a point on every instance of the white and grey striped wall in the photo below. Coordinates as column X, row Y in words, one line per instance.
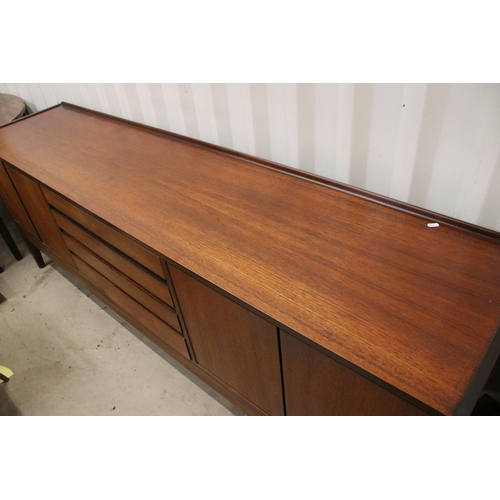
column 434, row 145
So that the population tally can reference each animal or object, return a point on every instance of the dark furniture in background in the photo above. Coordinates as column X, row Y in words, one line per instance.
column 4, row 232
column 11, row 108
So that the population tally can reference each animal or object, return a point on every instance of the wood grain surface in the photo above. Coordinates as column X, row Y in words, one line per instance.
column 14, row 204
column 130, row 268
column 39, row 212
column 318, row 385
column 124, row 283
column 129, row 247
column 232, row 343
column 414, row 306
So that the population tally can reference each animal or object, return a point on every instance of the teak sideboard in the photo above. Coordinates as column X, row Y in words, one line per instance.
column 288, row 293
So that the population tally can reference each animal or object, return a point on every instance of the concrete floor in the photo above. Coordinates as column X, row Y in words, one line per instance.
column 72, row 355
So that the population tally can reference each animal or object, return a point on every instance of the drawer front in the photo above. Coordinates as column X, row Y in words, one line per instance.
column 124, row 283
column 127, row 267
column 155, row 325
column 125, row 244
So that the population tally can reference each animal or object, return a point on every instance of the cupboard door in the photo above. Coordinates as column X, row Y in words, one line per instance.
column 39, row 212
column 14, row 203
column 316, row 384
column 233, row 344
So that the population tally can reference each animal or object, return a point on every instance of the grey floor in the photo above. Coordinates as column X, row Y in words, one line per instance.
column 71, row 355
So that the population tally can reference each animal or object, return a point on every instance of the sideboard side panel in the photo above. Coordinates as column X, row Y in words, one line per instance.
column 14, row 203
column 39, row 211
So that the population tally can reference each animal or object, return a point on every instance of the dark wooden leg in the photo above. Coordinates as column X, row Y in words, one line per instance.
column 1, row 271
column 10, row 242
column 36, row 254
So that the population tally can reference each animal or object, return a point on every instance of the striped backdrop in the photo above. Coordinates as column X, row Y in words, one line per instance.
column 436, row 146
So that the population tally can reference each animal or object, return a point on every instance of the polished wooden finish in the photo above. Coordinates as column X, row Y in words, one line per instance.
column 13, row 202
column 124, row 283
column 413, row 309
column 124, row 301
column 232, row 343
column 39, row 212
column 121, row 262
column 107, row 233
column 317, row 385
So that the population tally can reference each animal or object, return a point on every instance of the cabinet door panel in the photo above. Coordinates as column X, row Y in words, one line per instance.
column 316, row 384
column 14, row 203
column 39, row 212
column 235, row 345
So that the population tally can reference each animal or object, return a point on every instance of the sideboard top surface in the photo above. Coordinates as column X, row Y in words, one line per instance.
column 417, row 307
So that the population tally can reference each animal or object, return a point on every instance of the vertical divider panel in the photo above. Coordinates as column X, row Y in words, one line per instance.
column 14, row 203
column 39, row 211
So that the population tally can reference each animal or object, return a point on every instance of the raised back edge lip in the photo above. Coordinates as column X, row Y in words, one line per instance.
column 400, row 206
